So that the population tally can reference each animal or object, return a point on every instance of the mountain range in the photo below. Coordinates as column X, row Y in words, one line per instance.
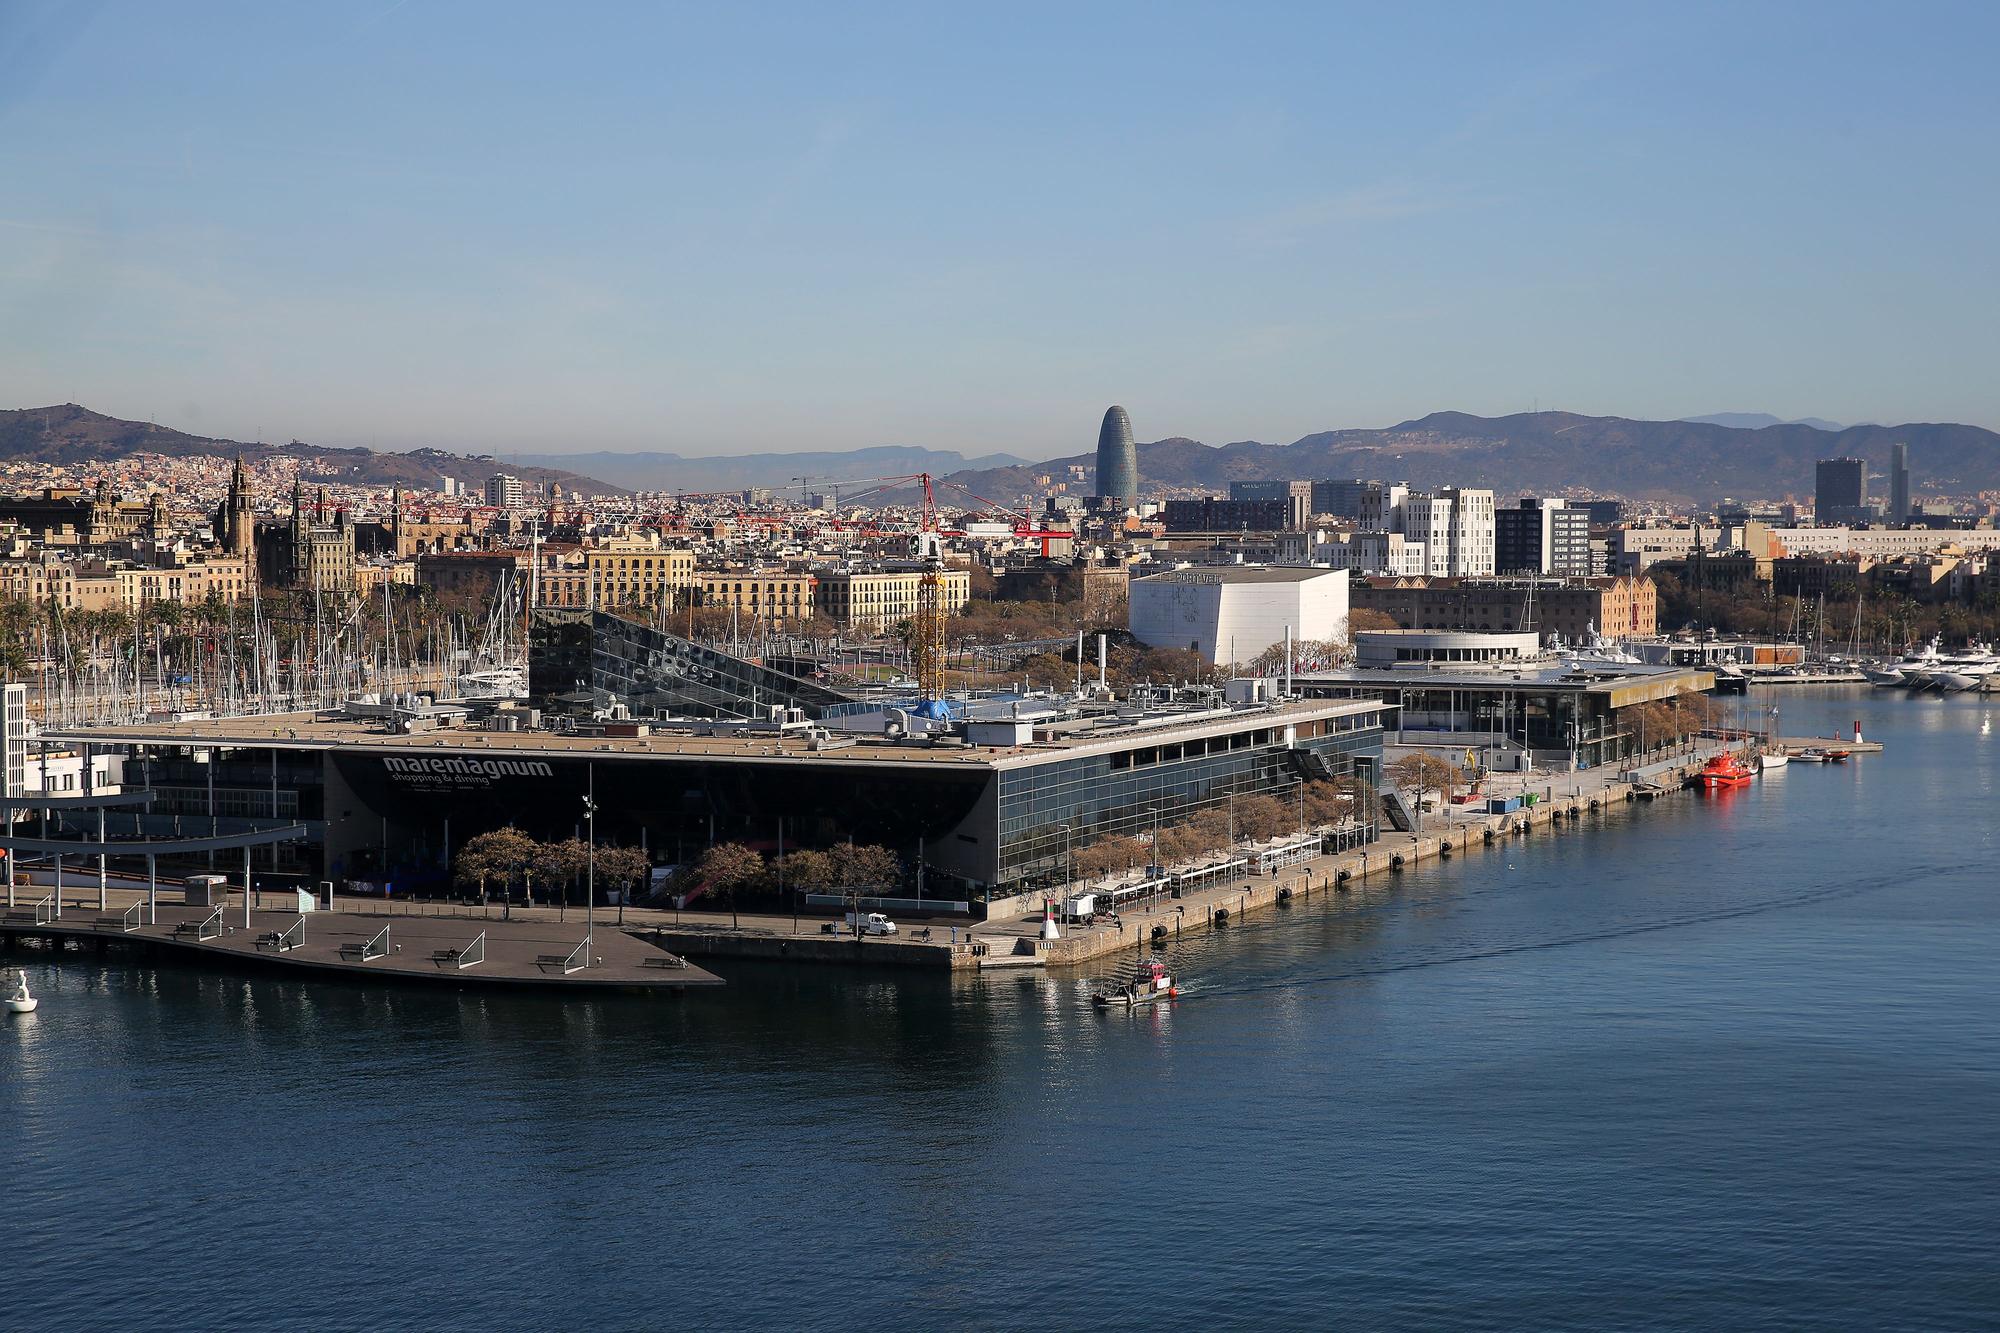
column 1678, row 461
column 68, row 435
column 1531, row 452
column 810, row 471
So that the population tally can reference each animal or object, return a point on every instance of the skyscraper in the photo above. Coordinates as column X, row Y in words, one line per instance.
column 1117, row 461
column 1840, row 488
column 1899, row 483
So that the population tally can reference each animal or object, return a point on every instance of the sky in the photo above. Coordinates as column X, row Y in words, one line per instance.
column 719, row 229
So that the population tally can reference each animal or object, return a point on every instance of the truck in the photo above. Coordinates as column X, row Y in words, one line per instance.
column 870, row 923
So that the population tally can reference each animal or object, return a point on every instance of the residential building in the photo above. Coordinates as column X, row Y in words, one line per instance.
column 504, row 491
column 876, row 599
column 1542, row 536
column 777, row 596
column 1573, row 608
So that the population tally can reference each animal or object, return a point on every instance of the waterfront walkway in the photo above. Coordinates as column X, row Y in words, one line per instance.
column 436, row 950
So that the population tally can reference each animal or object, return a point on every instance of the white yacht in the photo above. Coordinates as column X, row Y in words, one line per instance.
column 1975, row 656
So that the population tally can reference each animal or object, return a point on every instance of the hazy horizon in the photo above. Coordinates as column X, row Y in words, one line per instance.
column 775, row 230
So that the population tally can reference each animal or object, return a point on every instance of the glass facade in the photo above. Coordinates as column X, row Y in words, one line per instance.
column 1115, row 795
column 1117, row 458
column 594, row 658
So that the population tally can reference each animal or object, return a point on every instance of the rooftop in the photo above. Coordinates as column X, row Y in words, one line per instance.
column 1241, row 574
column 1088, row 732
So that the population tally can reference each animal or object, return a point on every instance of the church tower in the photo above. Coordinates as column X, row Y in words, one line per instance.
column 238, row 528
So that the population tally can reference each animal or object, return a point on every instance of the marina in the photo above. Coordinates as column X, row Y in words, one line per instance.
column 1538, row 965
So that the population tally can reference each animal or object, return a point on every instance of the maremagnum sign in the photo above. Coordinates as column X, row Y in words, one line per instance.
column 458, row 773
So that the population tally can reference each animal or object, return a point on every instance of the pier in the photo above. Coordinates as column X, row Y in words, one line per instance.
column 438, row 951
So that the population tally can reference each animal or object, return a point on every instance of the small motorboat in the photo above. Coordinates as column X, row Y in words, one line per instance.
column 20, row 1002
column 1724, row 772
column 1150, row 982
column 1838, row 756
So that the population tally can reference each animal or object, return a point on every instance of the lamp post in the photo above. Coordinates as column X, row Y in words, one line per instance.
column 590, row 862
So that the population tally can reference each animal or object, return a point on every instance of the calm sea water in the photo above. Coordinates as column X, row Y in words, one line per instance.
column 1729, row 1063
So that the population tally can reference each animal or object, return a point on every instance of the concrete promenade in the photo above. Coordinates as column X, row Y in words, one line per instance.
column 419, row 950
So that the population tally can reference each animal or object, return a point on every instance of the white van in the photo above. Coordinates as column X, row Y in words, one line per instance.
column 870, row 923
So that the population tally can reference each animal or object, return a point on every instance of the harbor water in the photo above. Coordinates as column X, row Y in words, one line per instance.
column 1713, row 1062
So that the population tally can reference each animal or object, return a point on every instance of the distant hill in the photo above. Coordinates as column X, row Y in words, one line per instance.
column 72, row 436
column 1684, row 461
column 1759, row 420
column 671, row 472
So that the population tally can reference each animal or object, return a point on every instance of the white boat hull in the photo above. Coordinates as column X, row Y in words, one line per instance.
column 22, row 1006
column 1773, row 760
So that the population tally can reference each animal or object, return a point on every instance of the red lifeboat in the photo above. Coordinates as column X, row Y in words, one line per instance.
column 1724, row 772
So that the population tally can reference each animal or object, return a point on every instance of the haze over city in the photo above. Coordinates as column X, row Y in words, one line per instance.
column 717, row 230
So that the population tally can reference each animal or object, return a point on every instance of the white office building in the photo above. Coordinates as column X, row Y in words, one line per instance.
column 1233, row 613
column 1381, row 507
column 1472, row 532
column 1374, row 553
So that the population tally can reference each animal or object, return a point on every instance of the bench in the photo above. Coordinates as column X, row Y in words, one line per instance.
column 446, row 955
column 551, row 960
column 188, row 928
column 354, row 949
column 270, row 939
column 664, row 960
column 20, row 916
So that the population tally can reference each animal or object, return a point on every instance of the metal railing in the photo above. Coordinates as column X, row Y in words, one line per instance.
column 474, row 952
column 293, row 936
column 131, row 919
column 378, row 947
column 570, row 964
column 45, row 911
column 211, row 926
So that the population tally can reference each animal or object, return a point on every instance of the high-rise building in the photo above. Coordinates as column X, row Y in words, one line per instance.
column 1295, row 495
column 503, row 491
column 1899, row 483
column 1380, row 507
column 1117, row 461
column 1337, row 498
column 1840, row 489
column 1472, row 512
column 1542, row 536
column 1427, row 519
column 1214, row 514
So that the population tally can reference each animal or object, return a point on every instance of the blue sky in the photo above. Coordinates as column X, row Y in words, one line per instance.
column 726, row 228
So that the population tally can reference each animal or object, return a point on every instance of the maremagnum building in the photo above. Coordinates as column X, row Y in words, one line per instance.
column 991, row 802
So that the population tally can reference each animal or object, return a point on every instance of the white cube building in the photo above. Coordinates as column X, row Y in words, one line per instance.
column 1232, row 613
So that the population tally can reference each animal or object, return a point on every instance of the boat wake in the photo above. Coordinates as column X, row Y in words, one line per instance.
column 1722, row 912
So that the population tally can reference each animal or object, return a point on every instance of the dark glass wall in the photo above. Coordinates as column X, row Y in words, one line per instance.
column 1115, row 795
column 583, row 659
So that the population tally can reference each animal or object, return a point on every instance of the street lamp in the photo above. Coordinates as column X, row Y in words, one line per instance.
column 590, row 864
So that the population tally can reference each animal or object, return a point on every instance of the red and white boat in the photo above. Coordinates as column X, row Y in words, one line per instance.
column 1724, row 771
column 1150, row 982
